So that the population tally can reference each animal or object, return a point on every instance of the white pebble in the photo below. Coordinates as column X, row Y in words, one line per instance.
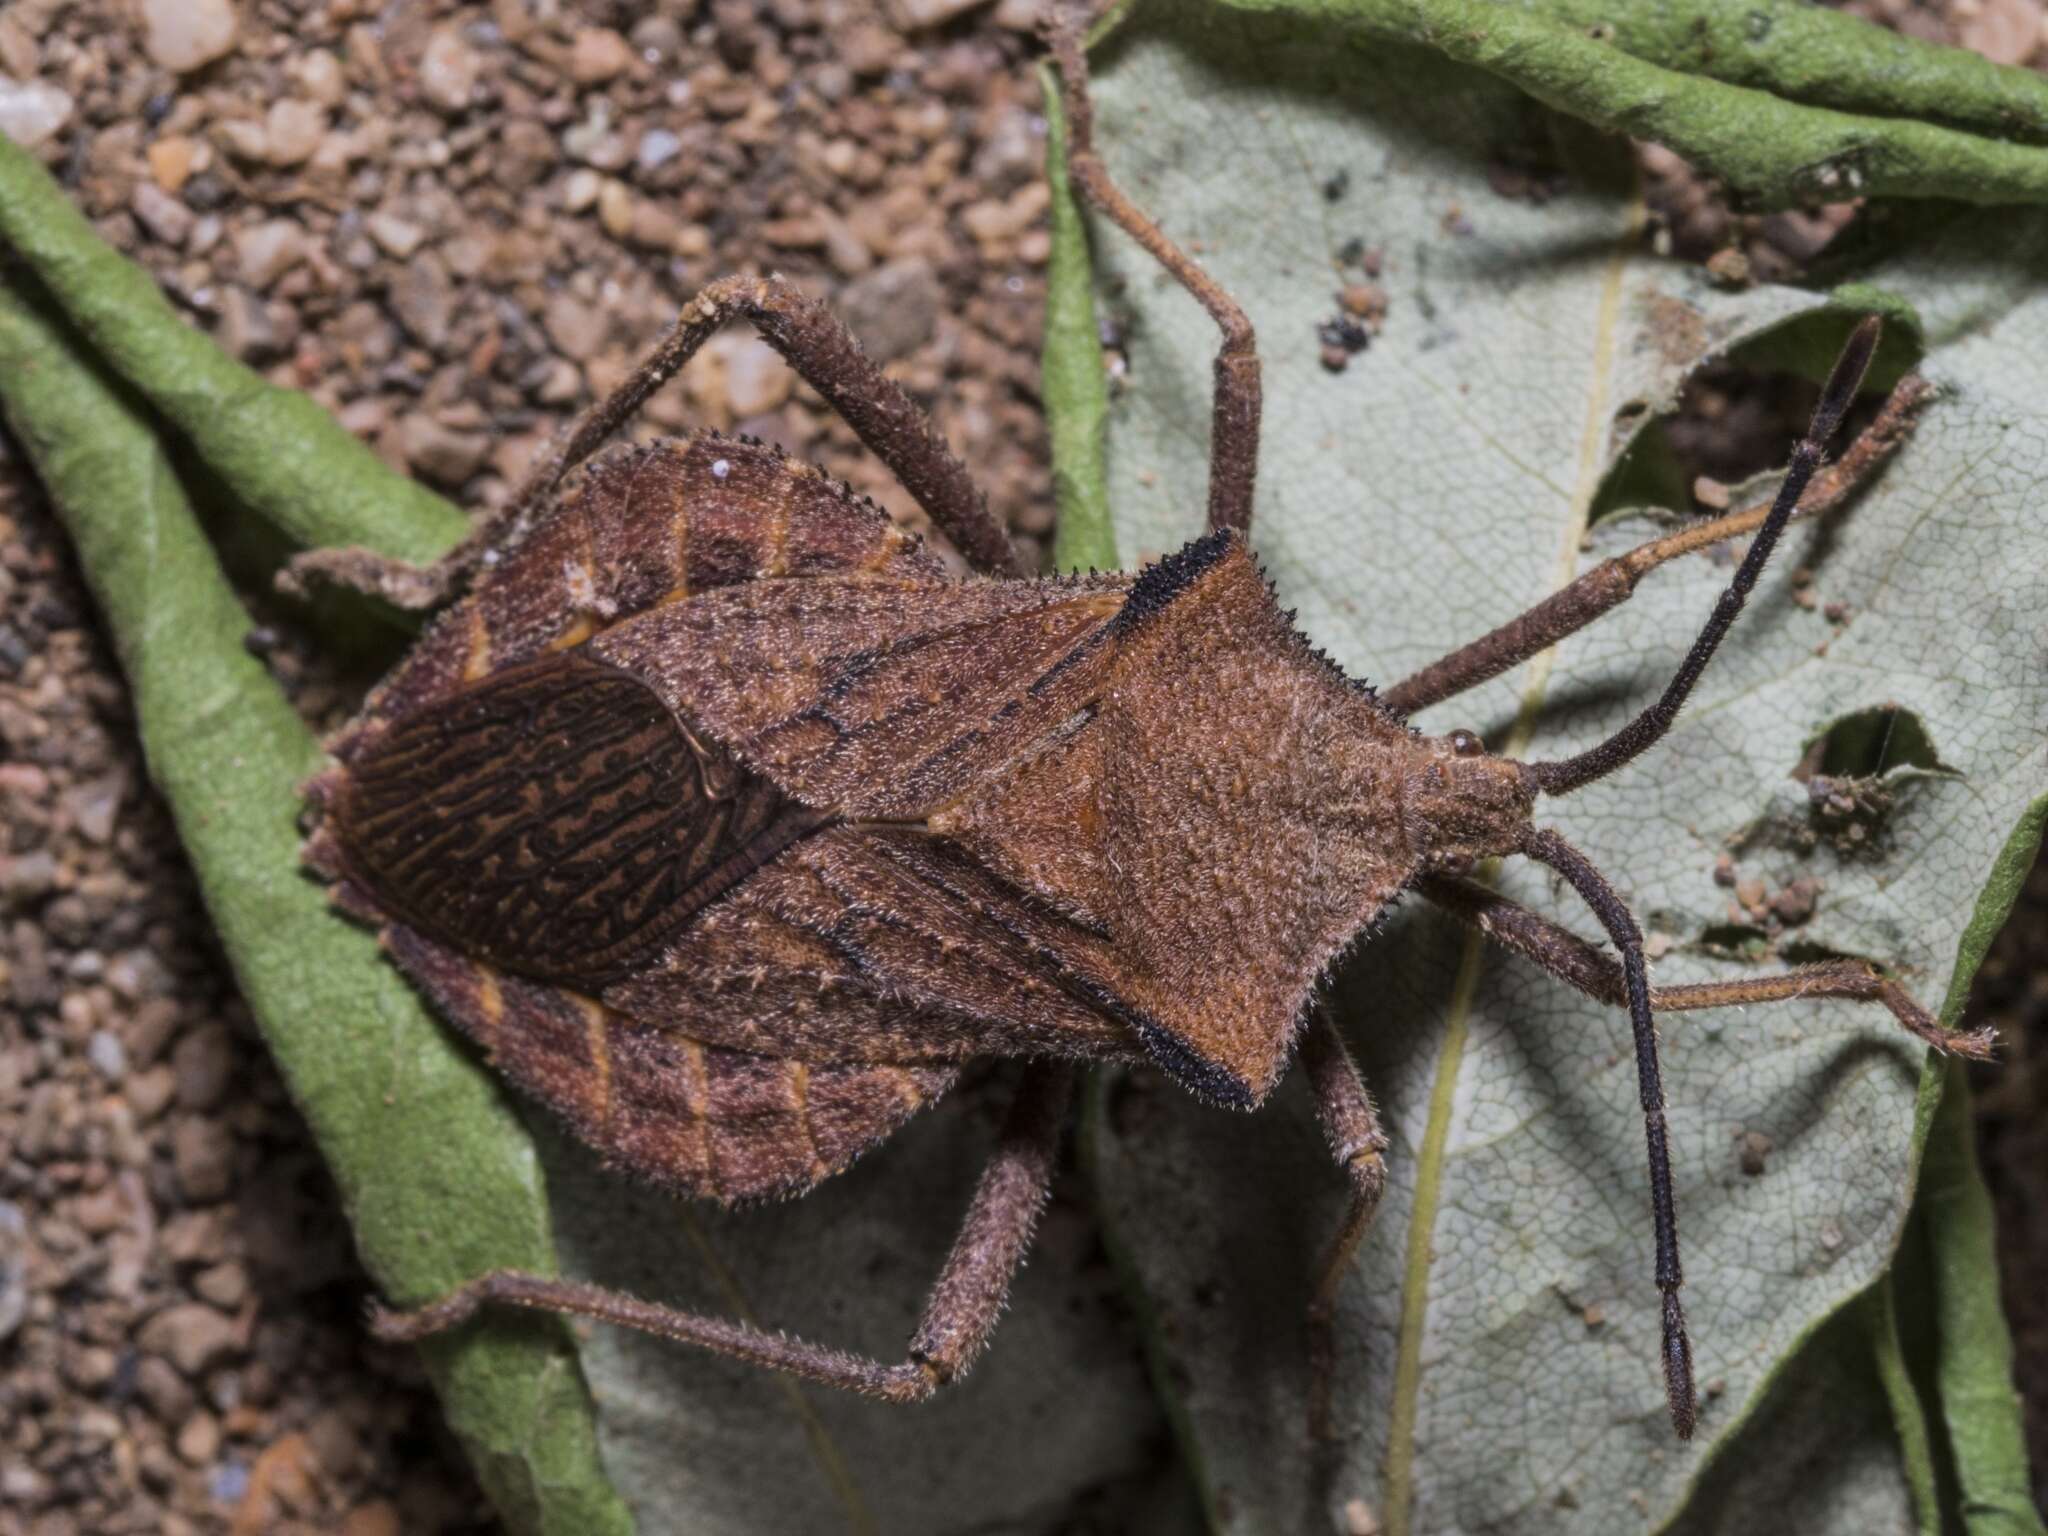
column 181, row 35
column 33, row 112
column 107, row 1055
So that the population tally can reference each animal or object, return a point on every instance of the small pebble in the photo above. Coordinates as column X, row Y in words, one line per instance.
column 658, row 146
column 19, row 54
column 597, row 55
column 911, row 15
column 1796, row 903
column 449, row 69
column 1755, row 1152
column 2004, row 31
column 400, row 237
column 203, row 1065
column 615, row 209
column 442, row 455
column 265, row 252
column 171, row 162
column 580, row 191
column 192, row 1336
column 757, row 380
column 199, row 1439
column 160, row 213
column 203, row 1157
column 14, row 1248
column 578, row 330
column 108, row 1056
column 229, row 1484
column 25, row 878
column 894, row 309
column 293, row 129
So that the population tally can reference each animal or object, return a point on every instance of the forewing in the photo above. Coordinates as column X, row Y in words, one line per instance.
column 643, row 527
column 883, row 944
column 876, row 699
column 555, row 819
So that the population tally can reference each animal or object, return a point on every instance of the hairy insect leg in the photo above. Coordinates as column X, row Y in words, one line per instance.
column 959, row 1314
column 824, row 354
column 1611, row 583
column 1626, row 984
column 1547, row 847
column 1352, row 1127
column 1594, row 972
column 1234, row 417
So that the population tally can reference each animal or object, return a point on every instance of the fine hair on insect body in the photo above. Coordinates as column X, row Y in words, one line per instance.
column 731, row 824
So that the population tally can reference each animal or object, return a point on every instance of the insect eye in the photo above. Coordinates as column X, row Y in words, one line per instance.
column 1465, row 744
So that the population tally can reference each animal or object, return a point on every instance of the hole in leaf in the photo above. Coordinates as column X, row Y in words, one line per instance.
column 1739, row 416
column 1807, row 952
column 1849, row 770
column 1740, row 941
column 1869, row 744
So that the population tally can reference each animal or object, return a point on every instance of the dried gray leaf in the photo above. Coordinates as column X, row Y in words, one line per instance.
column 1498, row 1334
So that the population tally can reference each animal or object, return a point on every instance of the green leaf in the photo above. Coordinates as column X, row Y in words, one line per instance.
column 1498, row 1335
column 1974, row 1361
column 1777, row 151
column 1075, row 390
column 1880, row 1312
column 437, row 1174
column 275, row 449
column 1808, row 53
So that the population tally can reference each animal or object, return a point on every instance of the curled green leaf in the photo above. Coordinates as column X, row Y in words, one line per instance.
column 1973, row 1367
column 1823, row 58
column 1075, row 392
column 275, row 449
column 1777, row 153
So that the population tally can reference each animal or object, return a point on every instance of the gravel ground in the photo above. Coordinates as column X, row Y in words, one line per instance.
column 454, row 225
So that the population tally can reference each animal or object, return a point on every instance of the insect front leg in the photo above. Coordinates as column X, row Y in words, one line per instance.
column 1234, row 417
column 1612, row 582
column 814, row 342
column 959, row 1314
column 1352, row 1127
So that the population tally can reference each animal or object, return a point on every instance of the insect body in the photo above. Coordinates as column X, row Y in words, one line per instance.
column 823, row 804
column 730, row 824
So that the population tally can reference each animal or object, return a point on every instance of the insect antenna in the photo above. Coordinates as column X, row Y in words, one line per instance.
column 1567, row 774
column 1546, row 847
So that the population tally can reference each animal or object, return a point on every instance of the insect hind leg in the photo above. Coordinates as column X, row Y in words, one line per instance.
column 959, row 1315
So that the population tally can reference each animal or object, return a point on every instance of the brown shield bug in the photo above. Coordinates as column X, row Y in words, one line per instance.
column 730, row 824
